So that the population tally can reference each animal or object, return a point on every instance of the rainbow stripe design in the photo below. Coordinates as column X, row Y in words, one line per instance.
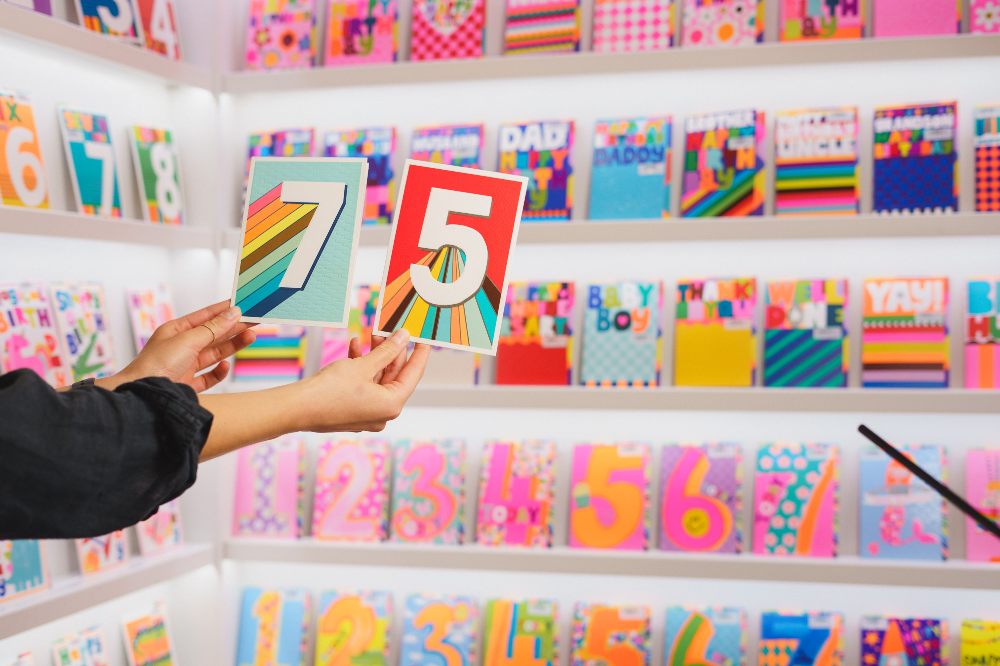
column 724, row 165
column 816, row 162
column 541, row 26
column 278, row 354
column 982, row 335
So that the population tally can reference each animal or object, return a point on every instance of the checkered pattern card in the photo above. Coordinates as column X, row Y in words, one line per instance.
column 622, row 344
column 447, row 30
column 627, row 26
column 987, row 145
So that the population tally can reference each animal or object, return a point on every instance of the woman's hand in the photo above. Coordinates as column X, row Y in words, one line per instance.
column 184, row 347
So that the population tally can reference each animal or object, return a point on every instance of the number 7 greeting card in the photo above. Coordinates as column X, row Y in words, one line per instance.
column 91, row 158
column 300, row 234
column 22, row 176
column 445, row 276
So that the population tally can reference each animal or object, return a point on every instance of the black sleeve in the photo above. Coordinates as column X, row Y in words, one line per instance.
column 86, row 462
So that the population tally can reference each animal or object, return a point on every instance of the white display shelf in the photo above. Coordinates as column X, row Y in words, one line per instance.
column 76, row 593
column 842, row 570
column 62, row 224
column 577, row 64
column 56, row 33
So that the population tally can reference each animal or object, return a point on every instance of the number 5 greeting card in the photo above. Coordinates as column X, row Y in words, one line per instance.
column 446, row 274
column 300, row 234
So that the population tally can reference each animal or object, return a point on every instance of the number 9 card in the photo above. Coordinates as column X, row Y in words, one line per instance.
column 446, row 272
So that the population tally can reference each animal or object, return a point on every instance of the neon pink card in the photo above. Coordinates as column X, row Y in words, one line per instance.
column 609, row 497
column 428, row 493
column 700, row 504
column 269, row 490
column 516, row 493
column 982, row 489
column 906, row 18
column 352, row 491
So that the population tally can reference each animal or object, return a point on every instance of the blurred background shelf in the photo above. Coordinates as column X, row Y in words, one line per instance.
column 63, row 224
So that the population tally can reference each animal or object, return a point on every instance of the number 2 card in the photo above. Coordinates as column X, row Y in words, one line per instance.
column 300, row 234
column 445, row 277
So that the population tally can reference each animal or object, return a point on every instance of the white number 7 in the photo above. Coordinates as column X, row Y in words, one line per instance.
column 329, row 199
column 106, row 155
column 437, row 233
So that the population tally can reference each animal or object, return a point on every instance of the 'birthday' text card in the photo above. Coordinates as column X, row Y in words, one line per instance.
column 541, row 152
column 536, row 338
column 28, row 335
column 457, row 145
column 81, row 316
column 631, row 155
column 723, row 165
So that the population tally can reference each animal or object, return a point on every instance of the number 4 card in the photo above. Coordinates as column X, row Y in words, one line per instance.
column 300, row 234
column 446, row 273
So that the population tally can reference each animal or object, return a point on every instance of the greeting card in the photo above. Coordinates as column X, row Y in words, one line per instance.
column 916, row 158
column 114, row 18
column 984, row 16
column 457, row 145
column 157, row 171
column 711, row 23
column 354, row 629
column 716, row 636
column 805, row 335
column 162, row 531
column 986, row 142
column 982, row 489
column 159, row 25
column 22, row 175
column 609, row 505
column 907, row 642
column 447, row 30
column 516, row 491
column 91, row 160
column 28, row 336
column 360, row 322
column 809, row 639
column 80, row 314
column 439, row 630
column 296, row 142
column 521, row 633
column 700, row 498
column 541, row 152
column 148, row 309
column 900, row 18
column 724, row 164
column 631, row 155
column 980, row 642
column 622, row 335
column 795, row 500
column 23, row 569
column 377, row 145
column 281, row 34
column 714, row 335
column 542, row 26
column 86, row 648
column 270, row 490
column 904, row 333
column 536, row 336
column 352, row 491
column 274, row 627
column 361, row 32
column 300, row 233
column 147, row 639
column 628, row 26
column 101, row 553
column 901, row 516
column 982, row 335
column 816, row 160
column 603, row 634
column 428, row 492
column 278, row 355
column 834, row 19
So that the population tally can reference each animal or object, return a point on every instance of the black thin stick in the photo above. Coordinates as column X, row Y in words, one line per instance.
column 941, row 489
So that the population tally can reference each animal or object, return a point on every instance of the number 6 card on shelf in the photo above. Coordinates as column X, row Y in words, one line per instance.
column 446, row 272
column 300, row 234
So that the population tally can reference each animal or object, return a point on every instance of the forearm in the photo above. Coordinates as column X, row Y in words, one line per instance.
column 247, row 418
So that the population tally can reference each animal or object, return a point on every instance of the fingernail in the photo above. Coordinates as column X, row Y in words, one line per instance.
column 231, row 313
column 401, row 337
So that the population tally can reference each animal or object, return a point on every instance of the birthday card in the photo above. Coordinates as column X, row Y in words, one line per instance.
column 622, row 335
column 377, row 145
column 516, row 491
column 114, row 18
column 521, row 632
column 360, row 323
column 982, row 334
column 982, row 490
column 159, row 25
column 456, row 145
column 274, row 627
column 980, row 641
column 439, row 630
column 162, row 531
column 809, row 639
column 713, row 23
column 536, row 335
column 85, row 648
column 706, row 636
column 295, row 142
column 147, row 638
column 901, row 516
column 602, row 634
column 832, row 19
column 609, row 504
column 631, row 155
column 795, row 497
column 352, row 490
column 361, row 32
column 714, row 337
column 353, row 628
column 916, row 157
column 270, row 491
column 91, row 160
column 277, row 356
column 96, row 554
column 428, row 492
column 904, row 333
column 281, row 34
column 542, row 26
column 157, row 171
column 28, row 336
column 148, row 309
column 816, row 159
column 447, row 30
column 805, row 335
column 701, row 498
column 627, row 26
column 22, row 175
column 900, row 18
column 907, row 642
column 23, row 569
column 81, row 317
column 986, row 142
column 541, row 152
column 724, row 172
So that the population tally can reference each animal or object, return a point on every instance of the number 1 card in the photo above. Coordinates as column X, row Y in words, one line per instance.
column 445, row 276
column 300, row 234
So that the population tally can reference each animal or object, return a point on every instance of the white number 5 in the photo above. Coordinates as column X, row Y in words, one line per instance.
column 437, row 233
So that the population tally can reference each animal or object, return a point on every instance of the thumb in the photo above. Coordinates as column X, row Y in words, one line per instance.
column 214, row 330
column 380, row 357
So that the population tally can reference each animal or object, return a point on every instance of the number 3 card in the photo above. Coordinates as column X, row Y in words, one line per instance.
column 446, row 273
column 300, row 234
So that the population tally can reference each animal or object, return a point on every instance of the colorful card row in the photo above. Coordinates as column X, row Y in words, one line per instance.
column 370, row 491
